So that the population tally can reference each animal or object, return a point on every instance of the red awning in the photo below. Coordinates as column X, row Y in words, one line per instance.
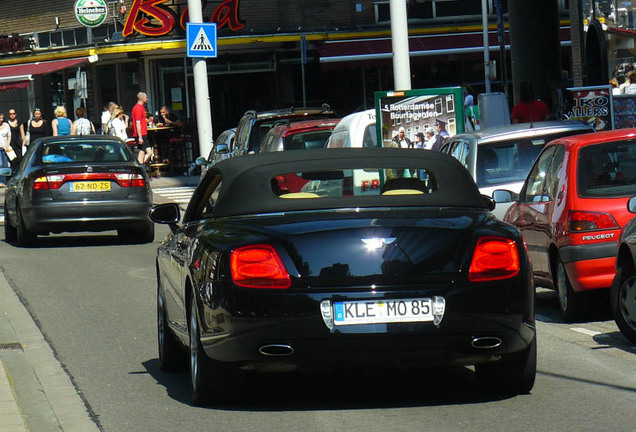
column 425, row 45
column 18, row 76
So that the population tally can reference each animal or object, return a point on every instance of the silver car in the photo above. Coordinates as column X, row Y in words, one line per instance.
column 221, row 149
column 500, row 157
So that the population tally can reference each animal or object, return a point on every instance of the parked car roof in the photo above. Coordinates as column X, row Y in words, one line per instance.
column 527, row 129
column 308, row 134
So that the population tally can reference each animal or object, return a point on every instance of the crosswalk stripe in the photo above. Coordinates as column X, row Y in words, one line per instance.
column 179, row 195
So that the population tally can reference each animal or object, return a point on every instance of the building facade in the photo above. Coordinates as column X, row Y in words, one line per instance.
column 271, row 54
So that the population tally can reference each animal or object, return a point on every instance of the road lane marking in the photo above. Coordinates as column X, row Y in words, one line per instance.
column 585, row 331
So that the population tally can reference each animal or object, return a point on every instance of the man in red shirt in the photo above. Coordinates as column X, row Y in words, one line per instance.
column 140, row 129
column 529, row 109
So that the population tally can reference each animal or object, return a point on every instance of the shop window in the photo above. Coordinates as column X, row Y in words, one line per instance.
column 69, row 37
column 56, row 39
column 57, row 89
column 44, row 40
column 81, row 36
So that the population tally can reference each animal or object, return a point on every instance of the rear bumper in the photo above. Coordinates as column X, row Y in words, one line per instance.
column 502, row 310
column 412, row 349
column 590, row 266
column 85, row 215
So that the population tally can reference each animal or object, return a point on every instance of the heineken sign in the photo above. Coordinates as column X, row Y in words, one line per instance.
column 91, row 13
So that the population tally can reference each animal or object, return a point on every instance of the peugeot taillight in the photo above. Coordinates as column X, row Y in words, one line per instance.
column 582, row 221
column 48, row 182
column 494, row 258
column 258, row 266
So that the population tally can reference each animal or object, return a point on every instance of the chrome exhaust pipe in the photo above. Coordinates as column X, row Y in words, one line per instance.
column 276, row 350
column 486, row 342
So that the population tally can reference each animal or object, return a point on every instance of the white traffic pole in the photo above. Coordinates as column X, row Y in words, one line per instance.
column 484, row 20
column 400, row 44
column 201, row 91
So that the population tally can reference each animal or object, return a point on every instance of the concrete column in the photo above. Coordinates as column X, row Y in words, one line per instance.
column 534, row 43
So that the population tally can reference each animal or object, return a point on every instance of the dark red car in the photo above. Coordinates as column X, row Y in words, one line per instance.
column 571, row 210
column 303, row 135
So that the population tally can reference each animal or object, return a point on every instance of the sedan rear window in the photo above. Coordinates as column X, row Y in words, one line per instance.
column 86, row 151
column 607, row 170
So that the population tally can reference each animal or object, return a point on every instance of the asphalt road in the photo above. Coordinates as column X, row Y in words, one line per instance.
column 94, row 300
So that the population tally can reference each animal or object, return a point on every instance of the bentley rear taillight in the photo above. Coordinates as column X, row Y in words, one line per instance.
column 494, row 258
column 582, row 221
column 258, row 266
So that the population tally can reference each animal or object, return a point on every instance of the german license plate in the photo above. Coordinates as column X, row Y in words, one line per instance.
column 90, row 186
column 383, row 311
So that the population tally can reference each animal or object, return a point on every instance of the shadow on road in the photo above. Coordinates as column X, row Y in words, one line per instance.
column 76, row 240
column 336, row 391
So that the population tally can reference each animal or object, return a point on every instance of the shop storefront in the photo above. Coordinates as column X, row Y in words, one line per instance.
column 140, row 46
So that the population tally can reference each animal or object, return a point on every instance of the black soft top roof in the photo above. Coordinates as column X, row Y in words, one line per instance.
column 247, row 189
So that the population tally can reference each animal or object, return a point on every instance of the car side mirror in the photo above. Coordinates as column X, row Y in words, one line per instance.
column 201, row 161
column 631, row 204
column 5, row 172
column 504, row 196
column 490, row 203
column 221, row 149
column 167, row 214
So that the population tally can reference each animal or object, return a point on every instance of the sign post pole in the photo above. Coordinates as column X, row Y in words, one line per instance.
column 201, row 91
column 400, row 44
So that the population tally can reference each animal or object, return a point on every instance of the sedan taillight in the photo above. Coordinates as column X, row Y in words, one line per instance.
column 258, row 266
column 48, row 182
column 130, row 180
column 494, row 258
column 581, row 221
column 56, row 181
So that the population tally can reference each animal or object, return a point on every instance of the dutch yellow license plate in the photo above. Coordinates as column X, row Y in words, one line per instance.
column 90, row 186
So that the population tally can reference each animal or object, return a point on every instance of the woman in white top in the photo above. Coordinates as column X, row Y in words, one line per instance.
column 82, row 126
column 118, row 124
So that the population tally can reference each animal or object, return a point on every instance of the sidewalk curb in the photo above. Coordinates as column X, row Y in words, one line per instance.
column 54, row 386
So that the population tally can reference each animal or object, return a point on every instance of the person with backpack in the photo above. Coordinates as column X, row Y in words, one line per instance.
column 82, row 126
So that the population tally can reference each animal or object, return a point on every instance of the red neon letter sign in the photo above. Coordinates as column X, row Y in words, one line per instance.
column 154, row 9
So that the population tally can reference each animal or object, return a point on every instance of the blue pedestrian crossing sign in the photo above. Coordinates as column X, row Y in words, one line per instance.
column 201, row 39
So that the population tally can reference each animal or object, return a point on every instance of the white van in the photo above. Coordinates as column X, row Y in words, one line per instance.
column 356, row 130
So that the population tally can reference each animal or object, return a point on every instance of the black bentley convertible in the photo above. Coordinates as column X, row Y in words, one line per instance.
column 334, row 258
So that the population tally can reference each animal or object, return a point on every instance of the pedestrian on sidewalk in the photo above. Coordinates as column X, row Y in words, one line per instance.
column 140, row 129
column 82, row 126
column 61, row 124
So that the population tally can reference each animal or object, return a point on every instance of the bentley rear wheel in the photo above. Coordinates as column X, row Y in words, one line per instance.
column 170, row 352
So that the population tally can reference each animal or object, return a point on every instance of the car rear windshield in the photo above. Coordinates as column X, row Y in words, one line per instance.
column 86, row 151
column 355, row 182
column 510, row 161
column 607, row 170
column 306, row 140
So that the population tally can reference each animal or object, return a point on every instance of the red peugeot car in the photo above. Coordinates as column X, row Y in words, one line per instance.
column 570, row 211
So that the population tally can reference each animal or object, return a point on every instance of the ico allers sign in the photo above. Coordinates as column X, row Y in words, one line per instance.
column 155, row 18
